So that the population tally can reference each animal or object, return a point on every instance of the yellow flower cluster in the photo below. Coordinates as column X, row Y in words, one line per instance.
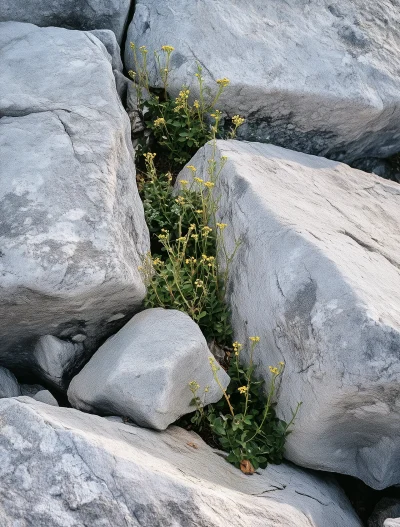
column 149, row 156
column 132, row 74
column 222, row 226
column 199, row 283
column 209, row 260
column 192, row 168
column 209, row 184
column 180, row 200
column 143, row 49
column 199, row 211
column 192, row 260
column 237, row 120
column 181, row 100
column 254, row 339
column 199, row 180
column 237, row 347
column 157, row 262
column 196, row 104
column 184, row 182
column 160, row 121
column 194, row 386
column 273, row 370
column 243, row 390
column 206, row 230
column 223, row 82
column 167, row 49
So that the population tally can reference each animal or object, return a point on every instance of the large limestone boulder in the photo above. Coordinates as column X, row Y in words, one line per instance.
column 62, row 467
column 317, row 277
column 71, row 14
column 315, row 76
column 143, row 372
column 72, row 226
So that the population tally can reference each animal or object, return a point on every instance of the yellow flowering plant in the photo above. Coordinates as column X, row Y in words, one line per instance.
column 180, row 125
column 186, row 239
column 244, row 421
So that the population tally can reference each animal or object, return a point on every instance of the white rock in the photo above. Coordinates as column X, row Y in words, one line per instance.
column 314, row 76
column 64, row 468
column 317, row 277
column 9, row 386
column 392, row 522
column 57, row 360
column 143, row 372
column 44, row 396
column 72, row 224
column 71, row 14
column 385, row 508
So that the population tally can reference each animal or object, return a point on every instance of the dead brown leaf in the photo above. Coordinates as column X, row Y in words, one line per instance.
column 246, row 467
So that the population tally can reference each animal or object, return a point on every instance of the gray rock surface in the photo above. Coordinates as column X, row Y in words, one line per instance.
column 107, row 37
column 143, row 372
column 384, row 509
column 392, row 522
column 31, row 390
column 71, row 14
column 72, row 225
column 57, row 360
column 44, row 396
column 317, row 76
column 317, row 277
column 60, row 468
column 9, row 386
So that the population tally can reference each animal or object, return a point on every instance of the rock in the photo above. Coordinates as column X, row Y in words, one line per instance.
column 61, row 467
column 317, row 277
column 143, row 372
column 393, row 522
column 387, row 168
column 72, row 226
column 31, row 390
column 385, row 508
column 56, row 360
column 314, row 76
column 44, row 396
column 107, row 37
column 71, row 14
column 9, row 386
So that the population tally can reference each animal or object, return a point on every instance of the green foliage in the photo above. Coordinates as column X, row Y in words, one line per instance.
column 244, row 422
column 179, row 126
column 186, row 274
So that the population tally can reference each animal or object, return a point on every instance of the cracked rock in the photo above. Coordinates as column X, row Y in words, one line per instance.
column 72, row 226
column 317, row 277
column 61, row 467
column 315, row 76
column 71, row 14
column 143, row 372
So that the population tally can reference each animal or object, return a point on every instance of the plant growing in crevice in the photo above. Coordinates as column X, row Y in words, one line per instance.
column 190, row 264
column 190, row 271
column 244, row 422
column 180, row 125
